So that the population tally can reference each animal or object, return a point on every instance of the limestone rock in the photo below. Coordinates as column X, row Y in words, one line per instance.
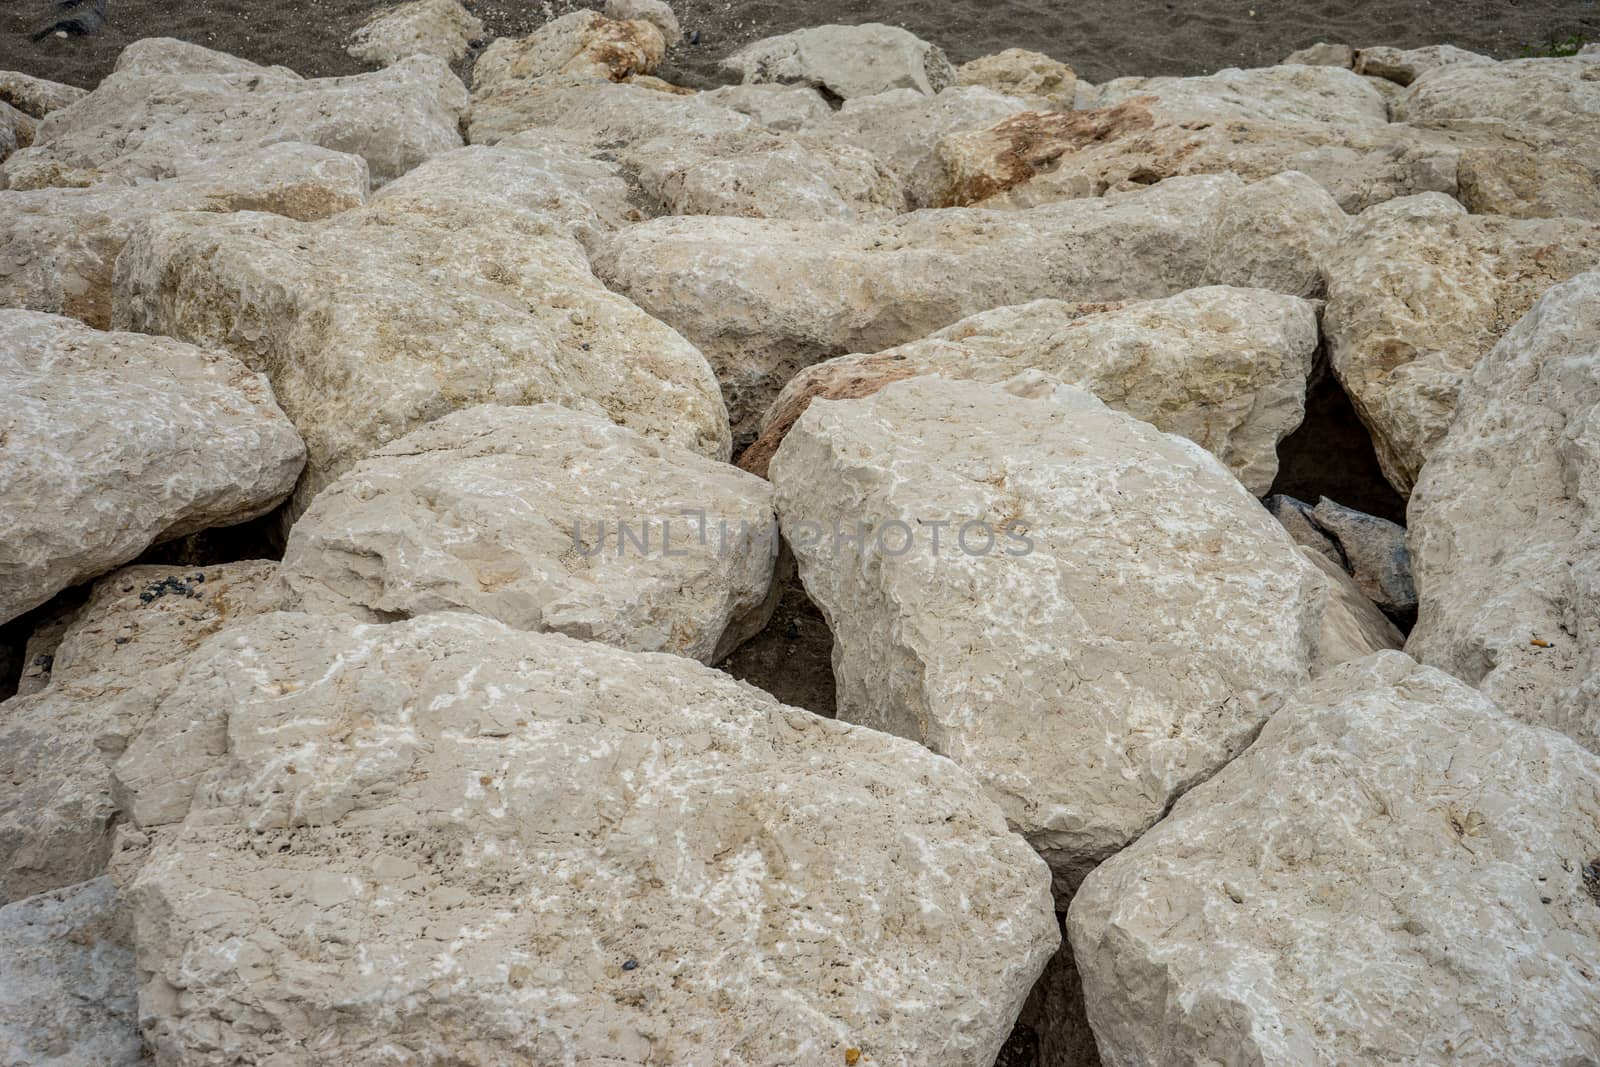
column 846, row 61
column 39, row 654
column 1107, row 619
column 117, row 442
column 1030, row 159
column 190, row 105
column 1418, row 292
column 655, row 12
column 583, row 44
column 58, row 247
column 1224, row 367
column 16, row 130
column 1324, row 54
column 384, row 318
column 1293, row 93
column 119, row 655
column 36, row 97
column 1405, row 65
column 550, row 850
column 442, row 28
column 786, row 108
column 1030, row 76
column 904, row 128
column 765, row 298
column 518, row 514
column 1352, row 626
column 67, row 982
column 1295, row 517
column 1505, row 527
column 1375, row 555
column 1393, row 872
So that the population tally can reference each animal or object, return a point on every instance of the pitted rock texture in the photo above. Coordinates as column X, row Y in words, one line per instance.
column 1505, row 521
column 58, row 247
column 1292, row 93
column 519, row 514
column 1033, row 77
column 846, row 62
column 1352, row 625
column 171, row 103
column 1405, row 65
column 656, row 12
column 1224, row 367
column 385, row 318
column 118, row 656
column 1418, row 292
column 36, row 97
column 1395, row 871
column 764, row 299
column 582, row 44
column 116, row 442
column 445, row 838
column 442, row 28
column 1108, row 617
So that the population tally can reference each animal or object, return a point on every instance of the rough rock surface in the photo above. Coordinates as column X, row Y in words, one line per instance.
column 517, row 514
column 653, row 11
column 1108, row 618
column 50, row 625
column 581, row 44
column 1393, row 872
column 116, row 442
column 58, row 247
column 169, row 102
column 67, row 983
column 1405, row 65
column 1224, row 367
column 846, row 61
column 1374, row 553
column 1324, row 54
column 120, row 654
column 1352, row 625
column 1418, row 292
column 442, row 28
column 1292, row 93
column 1031, row 76
column 36, row 97
column 787, row 108
column 565, row 853
column 1295, row 516
column 765, row 298
column 387, row 317
column 1505, row 521
column 16, row 130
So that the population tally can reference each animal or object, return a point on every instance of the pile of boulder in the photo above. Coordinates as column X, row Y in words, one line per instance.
column 391, row 463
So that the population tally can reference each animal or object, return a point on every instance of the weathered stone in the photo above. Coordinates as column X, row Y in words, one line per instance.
column 67, row 982
column 16, row 130
column 548, row 850
column 1223, row 367
column 1418, row 291
column 1352, row 625
column 765, row 298
column 786, row 108
column 1393, row 872
column 582, row 44
column 1405, row 65
column 1295, row 516
column 655, row 12
column 1505, row 526
column 1324, row 54
column 115, row 442
column 384, row 318
column 1108, row 617
column 1375, row 555
column 187, row 105
column 58, row 247
column 846, row 61
column 39, row 654
column 519, row 514
column 1031, row 158
column 118, row 657
column 442, row 28
column 1293, row 93
column 1033, row 77
column 904, row 129
column 686, row 155
column 36, row 97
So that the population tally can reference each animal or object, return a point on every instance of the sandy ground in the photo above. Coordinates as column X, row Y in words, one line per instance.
column 1101, row 39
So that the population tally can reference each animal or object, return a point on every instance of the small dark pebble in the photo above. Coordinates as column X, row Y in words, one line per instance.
column 694, row 38
column 630, row 965
column 44, row 663
column 199, row 579
column 586, row 346
column 123, row 640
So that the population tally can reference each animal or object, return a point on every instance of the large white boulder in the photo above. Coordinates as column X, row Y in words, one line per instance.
column 170, row 103
column 58, row 246
column 384, row 318
column 113, row 442
column 444, row 837
column 1405, row 65
column 765, row 298
column 1292, row 93
column 1090, row 615
column 1394, row 872
column 580, row 44
column 1505, row 521
column 1418, row 292
column 546, row 519
column 1034, row 77
column 442, row 28
column 845, row 61
column 1224, row 367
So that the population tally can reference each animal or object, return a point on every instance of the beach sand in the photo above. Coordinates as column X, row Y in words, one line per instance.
column 1100, row 39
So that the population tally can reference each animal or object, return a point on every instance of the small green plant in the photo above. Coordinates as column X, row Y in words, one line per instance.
column 1555, row 46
